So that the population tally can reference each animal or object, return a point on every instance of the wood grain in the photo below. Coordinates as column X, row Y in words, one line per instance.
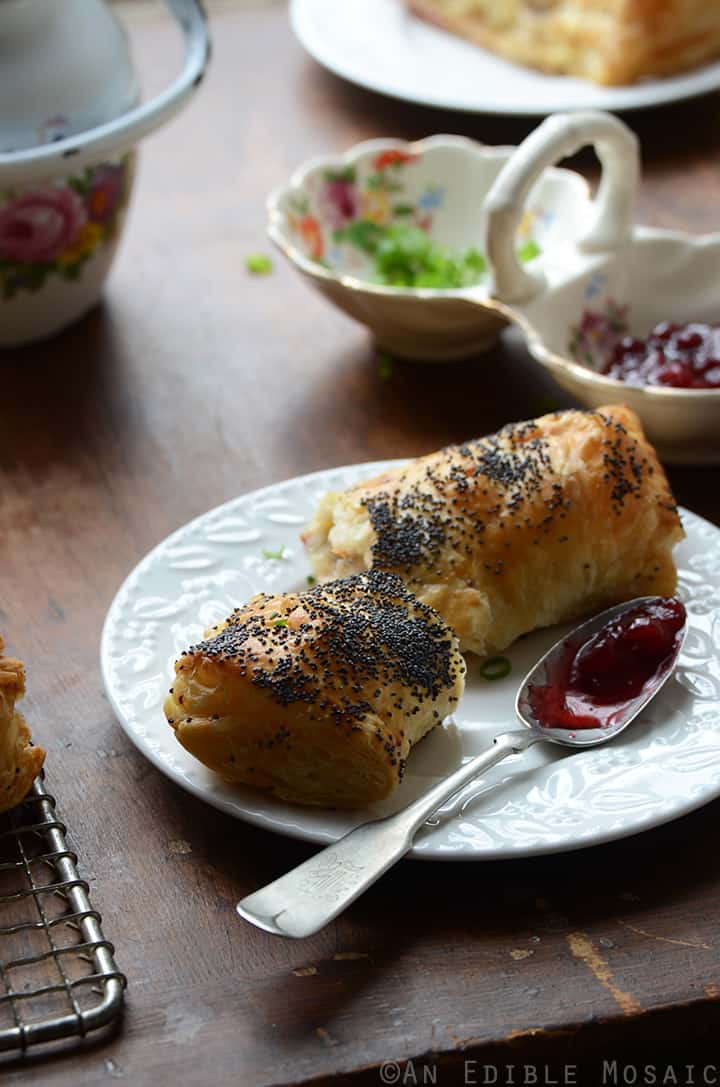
column 192, row 383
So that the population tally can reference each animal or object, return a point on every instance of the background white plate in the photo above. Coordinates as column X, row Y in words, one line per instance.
column 379, row 45
column 549, row 800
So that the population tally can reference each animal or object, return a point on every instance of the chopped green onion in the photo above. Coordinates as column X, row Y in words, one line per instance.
column 385, row 366
column 495, row 668
column 280, row 623
column 310, row 579
column 362, row 233
column 406, row 256
column 258, row 264
column 273, row 554
column 529, row 250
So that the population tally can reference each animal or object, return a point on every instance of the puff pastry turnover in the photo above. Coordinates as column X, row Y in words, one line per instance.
column 20, row 763
column 542, row 522
column 607, row 41
column 318, row 696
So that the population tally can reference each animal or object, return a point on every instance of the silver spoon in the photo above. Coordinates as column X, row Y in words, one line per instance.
column 305, row 899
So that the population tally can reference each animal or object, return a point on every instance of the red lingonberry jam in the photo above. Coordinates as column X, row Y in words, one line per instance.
column 684, row 356
column 589, row 683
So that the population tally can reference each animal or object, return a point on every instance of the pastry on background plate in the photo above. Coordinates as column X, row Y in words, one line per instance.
column 20, row 762
column 318, row 696
column 545, row 521
column 607, row 41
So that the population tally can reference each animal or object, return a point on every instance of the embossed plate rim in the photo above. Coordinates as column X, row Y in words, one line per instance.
column 445, row 841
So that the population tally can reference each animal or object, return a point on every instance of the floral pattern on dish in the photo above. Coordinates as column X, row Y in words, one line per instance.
column 597, row 334
column 54, row 229
column 335, row 218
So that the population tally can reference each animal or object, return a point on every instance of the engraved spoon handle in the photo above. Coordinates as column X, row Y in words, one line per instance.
column 305, row 899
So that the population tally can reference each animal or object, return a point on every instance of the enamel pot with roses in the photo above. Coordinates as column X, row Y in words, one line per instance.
column 71, row 118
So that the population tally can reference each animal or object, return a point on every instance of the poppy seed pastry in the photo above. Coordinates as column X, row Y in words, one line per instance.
column 543, row 522
column 20, row 762
column 606, row 41
column 318, row 696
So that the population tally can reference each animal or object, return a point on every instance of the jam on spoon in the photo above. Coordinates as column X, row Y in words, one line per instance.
column 682, row 356
column 589, row 683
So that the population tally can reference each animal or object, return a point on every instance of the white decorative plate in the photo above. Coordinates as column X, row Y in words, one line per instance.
column 379, row 45
column 549, row 800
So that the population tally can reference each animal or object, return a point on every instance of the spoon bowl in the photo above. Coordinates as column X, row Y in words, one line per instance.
column 542, row 671
column 304, row 900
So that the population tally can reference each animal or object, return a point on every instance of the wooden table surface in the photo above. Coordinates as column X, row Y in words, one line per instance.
column 193, row 383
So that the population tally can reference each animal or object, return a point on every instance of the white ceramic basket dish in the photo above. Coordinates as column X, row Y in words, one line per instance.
column 438, row 184
column 594, row 267
column 612, row 275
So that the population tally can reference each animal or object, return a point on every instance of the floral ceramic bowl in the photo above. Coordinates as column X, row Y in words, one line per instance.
column 69, row 121
column 324, row 218
column 612, row 280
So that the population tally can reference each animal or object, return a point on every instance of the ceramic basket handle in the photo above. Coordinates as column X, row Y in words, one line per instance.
column 558, row 137
column 124, row 131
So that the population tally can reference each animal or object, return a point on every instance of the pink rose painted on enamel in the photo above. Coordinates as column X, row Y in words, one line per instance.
column 39, row 225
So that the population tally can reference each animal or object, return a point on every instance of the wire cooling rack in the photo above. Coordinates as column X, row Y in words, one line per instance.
column 58, row 977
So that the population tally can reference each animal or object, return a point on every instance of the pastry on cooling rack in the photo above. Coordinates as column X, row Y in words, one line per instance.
column 607, row 41
column 20, row 762
column 318, row 696
column 540, row 523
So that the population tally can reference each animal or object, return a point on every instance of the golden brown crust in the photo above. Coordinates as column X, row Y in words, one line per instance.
column 540, row 523
column 20, row 763
column 607, row 41
column 318, row 696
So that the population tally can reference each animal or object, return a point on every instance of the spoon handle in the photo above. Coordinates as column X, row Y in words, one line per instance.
column 305, row 899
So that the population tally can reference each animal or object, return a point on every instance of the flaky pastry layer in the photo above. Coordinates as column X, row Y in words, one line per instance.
column 20, row 763
column 607, row 41
column 542, row 522
column 318, row 696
